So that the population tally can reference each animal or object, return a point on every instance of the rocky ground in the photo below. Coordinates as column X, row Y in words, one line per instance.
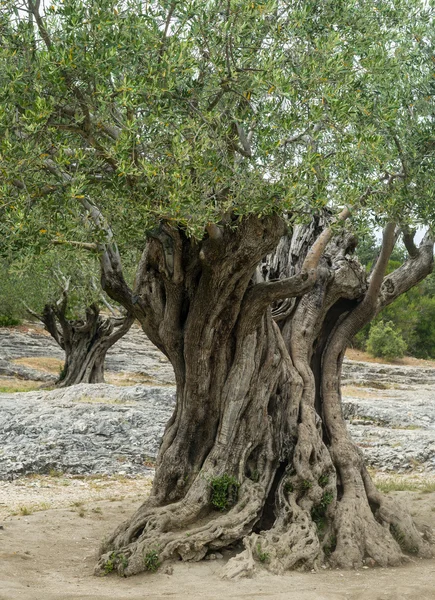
column 107, row 429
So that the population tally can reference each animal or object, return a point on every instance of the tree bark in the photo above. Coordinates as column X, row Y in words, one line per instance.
column 257, row 448
column 85, row 341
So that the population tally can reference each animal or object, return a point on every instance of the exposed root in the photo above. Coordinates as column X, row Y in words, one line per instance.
column 371, row 525
column 177, row 531
column 399, row 522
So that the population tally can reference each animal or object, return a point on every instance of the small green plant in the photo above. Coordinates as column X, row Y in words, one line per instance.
column 323, row 480
column 306, row 485
column 288, row 486
column 224, row 491
column 318, row 512
column 326, row 499
column 25, row 510
column 151, row 561
column 263, row 557
column 385, row 341
column 115, row 559
column 255, row 476
column 110, row 563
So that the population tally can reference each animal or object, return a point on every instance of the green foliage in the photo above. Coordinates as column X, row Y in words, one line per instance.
column 306, row 485
column 263, row 557
column 115, row 560
column 8, row 321
column 288, row 486
column 110, row 563
column 385, row 341
column 318, row 512
column 151, row 561
column 224, row 491
column 323, row 480
column 267, row 111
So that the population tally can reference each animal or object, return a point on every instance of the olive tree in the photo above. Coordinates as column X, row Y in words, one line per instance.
column 242, row 146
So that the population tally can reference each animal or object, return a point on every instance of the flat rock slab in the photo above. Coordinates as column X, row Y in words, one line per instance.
column 108, row 429
column 83, row 429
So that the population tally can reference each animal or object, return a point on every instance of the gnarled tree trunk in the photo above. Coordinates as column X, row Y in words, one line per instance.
column 257, row 448
column 85, row 341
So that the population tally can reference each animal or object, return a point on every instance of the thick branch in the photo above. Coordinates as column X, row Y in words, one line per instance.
column 414, row 270
column 268, row 292
column 408, row 240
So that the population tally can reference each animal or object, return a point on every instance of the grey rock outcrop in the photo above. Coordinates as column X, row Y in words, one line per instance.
column 101, row 428
column 88, row 428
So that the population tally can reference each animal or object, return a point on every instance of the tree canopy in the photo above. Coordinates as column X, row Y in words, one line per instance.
column 190, row 111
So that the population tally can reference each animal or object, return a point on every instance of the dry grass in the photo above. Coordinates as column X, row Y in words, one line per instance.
column 386, row 483
column 45, row 364
column 127, row 378
column 10, row 385
column 34, row 493
column 409, row 361
column 353, row 391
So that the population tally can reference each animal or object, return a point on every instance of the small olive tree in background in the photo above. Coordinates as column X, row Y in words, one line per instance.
column 240, row 146
column 61, row 290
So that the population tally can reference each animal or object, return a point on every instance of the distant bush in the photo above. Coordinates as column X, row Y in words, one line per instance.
column 7, row 321
column 385, row 341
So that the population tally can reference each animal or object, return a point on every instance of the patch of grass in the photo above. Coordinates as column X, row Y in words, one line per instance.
column 10, row 385
column 55, row 473
column 47, row 364
column 98, row 510
column 151, row 561
column 224, row 491
column 402, row 484
column 25, row 510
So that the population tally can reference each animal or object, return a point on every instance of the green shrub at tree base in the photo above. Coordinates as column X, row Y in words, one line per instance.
column 385, row 342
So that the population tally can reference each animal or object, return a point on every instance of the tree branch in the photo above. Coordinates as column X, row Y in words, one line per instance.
column 413, row 270
column 408, row 240
column 268, row 292
column 92, row 247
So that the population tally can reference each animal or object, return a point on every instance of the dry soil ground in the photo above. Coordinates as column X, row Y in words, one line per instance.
column 52, row 527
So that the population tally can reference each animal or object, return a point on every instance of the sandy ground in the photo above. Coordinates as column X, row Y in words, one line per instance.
column 49, row 554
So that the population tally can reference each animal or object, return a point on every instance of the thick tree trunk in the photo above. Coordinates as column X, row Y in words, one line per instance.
column 257, row 448
column 85, row 341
